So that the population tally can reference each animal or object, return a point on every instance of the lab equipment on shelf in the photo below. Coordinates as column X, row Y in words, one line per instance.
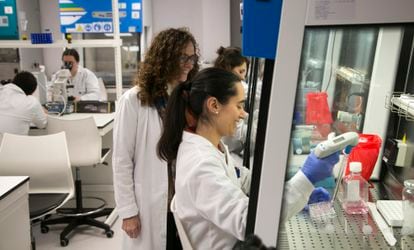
column 355, row 191
column 402, row 104
column 39, row 38
column 398, row 152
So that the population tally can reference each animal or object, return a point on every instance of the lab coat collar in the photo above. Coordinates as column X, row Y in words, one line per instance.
column 190, row 137
column 14, row 87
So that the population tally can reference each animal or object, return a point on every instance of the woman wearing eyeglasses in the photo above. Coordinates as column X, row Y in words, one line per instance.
column 140, row 177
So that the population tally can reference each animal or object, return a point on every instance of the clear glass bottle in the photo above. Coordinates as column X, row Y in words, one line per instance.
column 355, row 191
column 408, row 206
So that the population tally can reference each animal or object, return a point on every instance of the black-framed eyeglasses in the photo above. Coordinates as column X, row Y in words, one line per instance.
column 188, row 59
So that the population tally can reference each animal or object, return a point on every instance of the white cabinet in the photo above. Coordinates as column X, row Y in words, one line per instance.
column 14, row 212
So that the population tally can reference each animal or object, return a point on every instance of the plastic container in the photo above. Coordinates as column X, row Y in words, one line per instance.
column 40, row 38
column 408, row 207
column 355, row 191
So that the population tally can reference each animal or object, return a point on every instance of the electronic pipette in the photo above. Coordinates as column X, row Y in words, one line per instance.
column 336, row 144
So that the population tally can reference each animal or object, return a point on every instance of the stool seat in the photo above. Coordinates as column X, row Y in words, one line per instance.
column 40, row 204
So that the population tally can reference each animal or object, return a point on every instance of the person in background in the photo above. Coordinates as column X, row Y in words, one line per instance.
column 231, row 59
column 18, row 108
column 142, row 191
column 211, row 194
column 84, row 81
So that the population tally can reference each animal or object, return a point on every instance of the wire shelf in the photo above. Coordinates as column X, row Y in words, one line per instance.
column 401, row 104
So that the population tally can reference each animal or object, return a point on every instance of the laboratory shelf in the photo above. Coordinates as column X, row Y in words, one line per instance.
column 342, row 232
column 402, row 104
column 87, row 43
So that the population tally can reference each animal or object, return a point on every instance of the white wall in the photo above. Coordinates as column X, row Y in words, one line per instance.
column 49, row 19
column 29, row 56
column 208, row 21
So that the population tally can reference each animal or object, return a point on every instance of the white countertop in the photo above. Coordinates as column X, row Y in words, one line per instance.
column 101, row 119
column 8, row 183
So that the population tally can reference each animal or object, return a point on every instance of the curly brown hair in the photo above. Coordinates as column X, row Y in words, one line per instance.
column 161, row 64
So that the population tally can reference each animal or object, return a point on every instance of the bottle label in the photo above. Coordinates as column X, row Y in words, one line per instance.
column 353, row 191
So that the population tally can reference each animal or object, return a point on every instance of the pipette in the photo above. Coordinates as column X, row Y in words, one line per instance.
column 344, row 162
column 336, row 144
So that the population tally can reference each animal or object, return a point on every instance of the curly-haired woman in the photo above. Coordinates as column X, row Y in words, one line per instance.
column 140, row 177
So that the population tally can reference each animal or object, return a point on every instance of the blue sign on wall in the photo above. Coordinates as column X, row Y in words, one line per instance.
column 95, row 16
column 8, row 20
column 261, row 19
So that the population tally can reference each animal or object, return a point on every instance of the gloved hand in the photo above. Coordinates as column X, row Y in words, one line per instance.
column 319, row 194
column 318, row 169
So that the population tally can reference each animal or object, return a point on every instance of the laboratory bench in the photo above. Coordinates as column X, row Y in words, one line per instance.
column 300, row 232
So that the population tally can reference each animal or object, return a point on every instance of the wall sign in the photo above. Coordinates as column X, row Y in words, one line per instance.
column 95, row 16
column 8, row 20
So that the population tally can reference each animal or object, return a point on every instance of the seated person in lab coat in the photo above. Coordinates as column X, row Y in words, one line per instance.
column 211, row 193
column 85, row 82
column 18, row 108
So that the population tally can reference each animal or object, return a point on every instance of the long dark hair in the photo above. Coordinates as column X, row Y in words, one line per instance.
column 188, row 100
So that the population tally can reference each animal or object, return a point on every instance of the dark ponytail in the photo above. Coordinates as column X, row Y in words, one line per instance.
column 189, row 98
column 174, row 123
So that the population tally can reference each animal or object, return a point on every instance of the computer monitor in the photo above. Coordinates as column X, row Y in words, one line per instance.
column 41, row 90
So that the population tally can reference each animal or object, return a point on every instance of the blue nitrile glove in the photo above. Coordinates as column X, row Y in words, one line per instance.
column 319, row 194
column 318, row 169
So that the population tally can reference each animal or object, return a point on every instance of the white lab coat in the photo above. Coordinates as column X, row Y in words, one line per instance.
column 211, row 201
column 140, row 177
column 85, row 84
column 18, row 111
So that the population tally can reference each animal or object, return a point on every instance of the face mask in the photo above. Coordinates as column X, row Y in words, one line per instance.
column 67, row 65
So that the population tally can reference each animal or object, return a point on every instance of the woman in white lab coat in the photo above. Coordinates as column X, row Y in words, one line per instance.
column 85, row 83
column 211, row 193
column 140, row 177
